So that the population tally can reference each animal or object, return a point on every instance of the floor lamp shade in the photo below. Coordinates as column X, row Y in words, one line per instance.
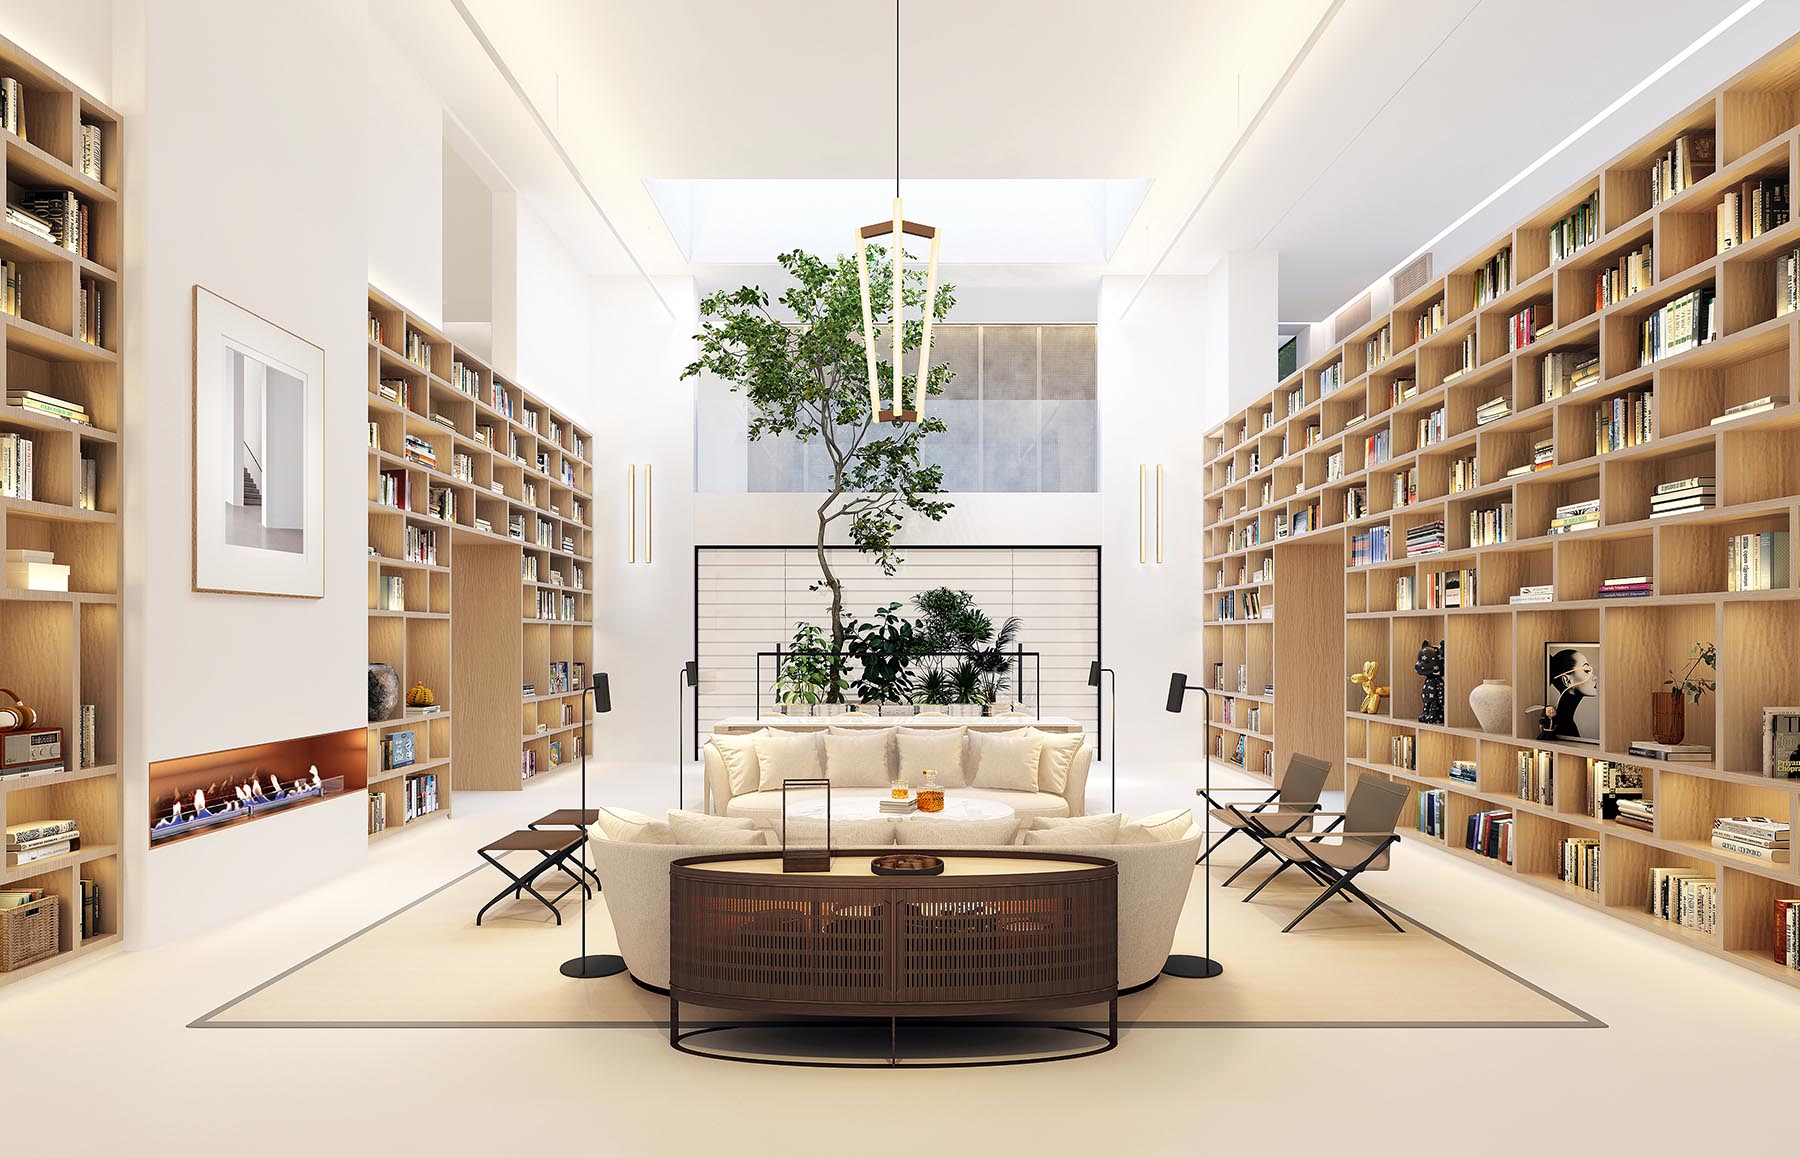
column 589, row 966
column 602, row 693
column 1093, row 673
column 1177, row 691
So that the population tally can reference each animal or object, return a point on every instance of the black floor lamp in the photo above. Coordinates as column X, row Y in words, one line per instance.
column 1186, row 964
column 690, row 678
column 598, row 964
column 1112, row 763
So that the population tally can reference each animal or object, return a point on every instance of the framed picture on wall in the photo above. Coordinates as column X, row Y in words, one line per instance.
column 1571, row 709
column 259, row 466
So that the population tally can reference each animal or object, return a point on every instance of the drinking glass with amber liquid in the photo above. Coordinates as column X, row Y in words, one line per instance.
column 931, row 794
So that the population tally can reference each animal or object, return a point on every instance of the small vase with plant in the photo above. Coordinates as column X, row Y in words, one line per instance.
column 1668, row 708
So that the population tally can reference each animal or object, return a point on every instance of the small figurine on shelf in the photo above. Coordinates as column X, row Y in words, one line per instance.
column 1372, row 691
column 1430, row 664
column 419, row 696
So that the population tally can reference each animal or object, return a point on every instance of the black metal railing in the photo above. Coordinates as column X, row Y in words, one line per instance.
column 1018, row 661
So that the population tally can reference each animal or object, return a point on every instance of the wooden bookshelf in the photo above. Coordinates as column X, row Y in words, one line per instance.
column 1337, row 610
column 469, row 623
column 61, row 650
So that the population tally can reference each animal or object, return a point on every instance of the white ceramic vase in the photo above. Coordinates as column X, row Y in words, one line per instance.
column 1492, row 703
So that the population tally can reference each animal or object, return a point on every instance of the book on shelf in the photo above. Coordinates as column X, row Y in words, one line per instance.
column 1625, row 587
column 1528, row 325
column 891, row 807
column 1757, row 837
column 1567, row 371
column 1402, row 390
column 1625, row 419
column 63, row 213
column 1494, row 278
column 87, row 494
column 1785, row 947
column 1534, row 593
column 1787, row 283
column 1406, row 487
column 1430, row 820
column 1610, row 782
column 1536, row 771
column 1403, row 752
column 1751, row 210
column 18, row 898
column 1781, row 743
column 1378, row 447
column 1463, row 772
column 12, row 108
column 18, row 470
column 1634, row 272
column 1580, row 863
column 1464, row 474
column 1757, row 561
column 1688, row 160
column 1489, row 833
column 390, row 593
column 1684, row 323
column 1431, row 319
column 1636, row 812
column 1491, row 525
column 88, row 754
column 1377, row 349
column 1577, row 516
column 50, row 404
column 1493, row 410
column 1371, row 546
column 1677, row 753
column 1745, row 409
column 1577, row 229
column 377, row 811
column 1441, row 589
column 1684, row 496
column 1685, row 897
column 1426, row 539
column 1466, row 354
column 1433, row 427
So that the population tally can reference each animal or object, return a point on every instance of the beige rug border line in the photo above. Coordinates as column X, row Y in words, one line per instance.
column 209, row 1020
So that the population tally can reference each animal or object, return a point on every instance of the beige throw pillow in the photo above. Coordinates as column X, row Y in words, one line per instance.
column 627, row 827
column 786, row 756
column 1064, row 837
column 939, row 749
column 941, row 832
column 808, row 833
column 738, row 754
column 699, row 828
column 1056, row 759
column 1086, row 829
column 1007, row 761
column 1157, row 829
column 858, row 759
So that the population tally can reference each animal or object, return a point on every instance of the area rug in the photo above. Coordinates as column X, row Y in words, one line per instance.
column 1343, row 968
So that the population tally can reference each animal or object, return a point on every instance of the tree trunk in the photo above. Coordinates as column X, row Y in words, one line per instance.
column 833, row 694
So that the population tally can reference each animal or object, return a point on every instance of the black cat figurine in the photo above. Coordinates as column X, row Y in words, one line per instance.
column 1430, row 664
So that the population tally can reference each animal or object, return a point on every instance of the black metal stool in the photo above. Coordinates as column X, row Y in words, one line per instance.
column 553, row 849
column 571, row 818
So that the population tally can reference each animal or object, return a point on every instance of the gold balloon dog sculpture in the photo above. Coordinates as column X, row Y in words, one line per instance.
column 1372, row 691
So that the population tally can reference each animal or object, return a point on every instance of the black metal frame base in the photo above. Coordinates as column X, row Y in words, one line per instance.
column 593, row 965
column 1192, row 967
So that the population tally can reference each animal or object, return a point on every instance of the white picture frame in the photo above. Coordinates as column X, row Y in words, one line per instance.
column 259, row 463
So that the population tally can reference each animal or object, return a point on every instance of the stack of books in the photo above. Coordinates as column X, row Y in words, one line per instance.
column 1610, row 783
column 1490, row 525
column 1371, row 546
column 1534, row 593
column 49, row 404
column 420, row 451
column 1489, row 834
column 1463, row 771
column 17, row 477
column 1581, row 863
column 1684, row 496
column 1431, row 812
column 1625, row 587
column 1677, row 753
column 66, row 216
column 1402, row 390
column 40, row 840
column 1759, row 837
column 1786, row 946
column 1619, row 282
column 1426, row 539
column 1493, row 410
column 892, row 807
column 22, row 218
column 1537, row 775
column 1685, row 897
column 1566, row 371
column 1577, row 516
column 1637, row 813
column 1433, row 427
column 1624, row 420
column 1577, row 229
column 1684, row 323
column 35, row 570
column 1686, row 161
column 1745, row 409
column 1543, row 457
column 1403, row 752
column 1751, row 210
column 1528, row 325
column 1757, row 562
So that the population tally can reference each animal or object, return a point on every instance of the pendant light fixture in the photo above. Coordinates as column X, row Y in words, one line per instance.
column 898, row 228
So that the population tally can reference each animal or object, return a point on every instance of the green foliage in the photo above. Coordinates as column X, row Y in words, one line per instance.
column 885, row 648
column 950, row 621
column 965, row 682
column 934, row 687
column 1687, row 682
column 806, row 674
column 805, row 374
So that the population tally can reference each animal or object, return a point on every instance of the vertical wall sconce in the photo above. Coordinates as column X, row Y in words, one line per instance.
column 1150, row 512
column 649, row 508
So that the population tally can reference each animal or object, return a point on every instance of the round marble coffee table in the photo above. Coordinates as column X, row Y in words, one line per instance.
column 869, row 808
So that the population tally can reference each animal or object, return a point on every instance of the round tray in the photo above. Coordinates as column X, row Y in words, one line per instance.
column 906, row 865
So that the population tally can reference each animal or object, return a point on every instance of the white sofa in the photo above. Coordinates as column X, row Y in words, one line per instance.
column 1153, row 888
column 721, row 800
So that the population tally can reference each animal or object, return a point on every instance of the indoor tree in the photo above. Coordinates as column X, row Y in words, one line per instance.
column 799, row 361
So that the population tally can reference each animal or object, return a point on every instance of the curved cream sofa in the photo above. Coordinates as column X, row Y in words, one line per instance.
column 1071, row 801
column 1153, row 887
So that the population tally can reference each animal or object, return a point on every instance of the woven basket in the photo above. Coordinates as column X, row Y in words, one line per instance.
column 30, row 933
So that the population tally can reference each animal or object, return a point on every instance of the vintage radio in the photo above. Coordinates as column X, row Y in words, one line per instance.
column 20, row 750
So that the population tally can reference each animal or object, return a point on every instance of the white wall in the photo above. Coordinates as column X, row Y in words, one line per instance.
column 282, row 230
column 405, row 175
column 555, row 315
column 74, row 37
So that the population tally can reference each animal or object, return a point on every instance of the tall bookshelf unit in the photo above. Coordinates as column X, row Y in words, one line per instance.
column 480, row 564
column 1349, row 395
column 61, row 650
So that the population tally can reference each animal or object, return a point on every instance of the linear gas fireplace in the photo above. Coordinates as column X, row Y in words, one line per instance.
column 194, row 795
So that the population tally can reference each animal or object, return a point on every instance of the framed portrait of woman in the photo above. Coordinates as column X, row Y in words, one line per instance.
column 1572, row 698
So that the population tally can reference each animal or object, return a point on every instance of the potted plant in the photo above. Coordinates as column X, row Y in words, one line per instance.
column 804, row 674
column 884, row 648
column 966, row 694
column 1668, row 708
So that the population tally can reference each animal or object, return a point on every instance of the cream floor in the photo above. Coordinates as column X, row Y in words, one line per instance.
column 104, row 1055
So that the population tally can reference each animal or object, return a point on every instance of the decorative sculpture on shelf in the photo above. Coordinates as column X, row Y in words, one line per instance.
column 1430, row 664
column 419, row 696
column 1372, row 691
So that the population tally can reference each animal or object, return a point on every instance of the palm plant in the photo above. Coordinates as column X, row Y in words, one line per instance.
column 991, row 659
column 935, row 686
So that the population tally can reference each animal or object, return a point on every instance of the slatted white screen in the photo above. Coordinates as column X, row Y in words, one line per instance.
column 750, row 599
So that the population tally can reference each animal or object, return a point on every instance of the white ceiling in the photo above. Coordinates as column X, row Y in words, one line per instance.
column 1398, row 115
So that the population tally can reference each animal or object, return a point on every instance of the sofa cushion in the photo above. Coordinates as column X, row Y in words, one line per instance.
column 941, row 832
column 939, row 749
column 1060, row 837
column 628, row 827
column 1056, row 758
column 858, row 759
column 807, row 833
column 1087, row 829
column 1023, row 804
column 738, row 754
column 1006, row 761
column 786, row 756
column 700, row 828
column 1158, row 828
